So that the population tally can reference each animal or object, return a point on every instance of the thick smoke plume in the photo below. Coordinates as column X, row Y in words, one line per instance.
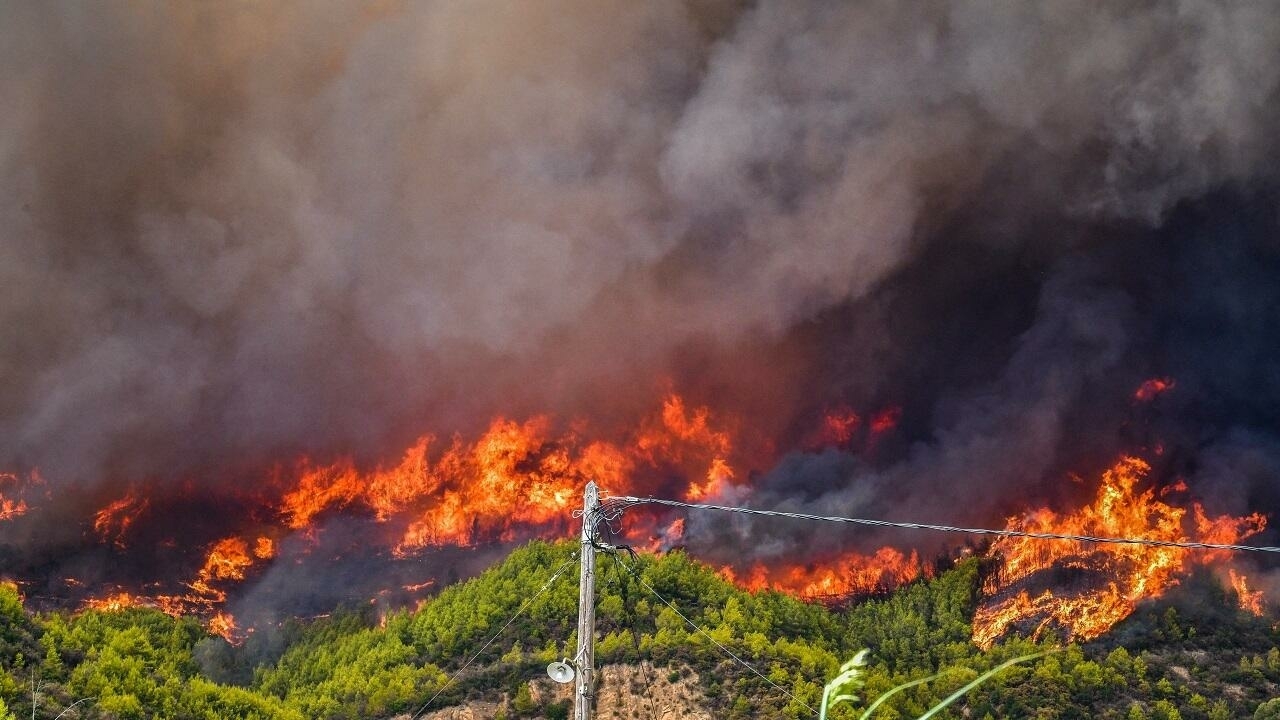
column 238, row 232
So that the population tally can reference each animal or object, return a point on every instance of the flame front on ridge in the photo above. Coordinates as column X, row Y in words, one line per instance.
column 522, row 479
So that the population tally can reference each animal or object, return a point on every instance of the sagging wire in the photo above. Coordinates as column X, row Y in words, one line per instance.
column 619, row 505
column 631, row 569
column 635, row 634
column 560, row 571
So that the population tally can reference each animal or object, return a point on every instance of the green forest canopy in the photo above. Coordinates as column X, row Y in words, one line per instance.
column 1193, row 655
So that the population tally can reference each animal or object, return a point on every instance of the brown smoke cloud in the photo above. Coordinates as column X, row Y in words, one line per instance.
column 233, row 231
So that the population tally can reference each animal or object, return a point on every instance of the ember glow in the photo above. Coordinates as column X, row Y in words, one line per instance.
column 1149, row 389
column 885, row 420
column 845, row 429
column 838, row 428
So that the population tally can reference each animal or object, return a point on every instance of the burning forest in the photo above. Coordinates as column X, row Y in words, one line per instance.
column 350, row 305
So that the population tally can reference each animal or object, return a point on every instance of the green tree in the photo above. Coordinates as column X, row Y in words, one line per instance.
column 1269, row 710
column 557, row 710
column 522, row 704
column 1165, row 710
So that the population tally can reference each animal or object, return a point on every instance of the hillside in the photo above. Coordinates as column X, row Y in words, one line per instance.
column 1191, row 655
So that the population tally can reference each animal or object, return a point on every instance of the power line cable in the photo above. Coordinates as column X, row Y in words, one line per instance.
column 635, row 635
column 620, row 504
column 631, row 569
column 518, row 613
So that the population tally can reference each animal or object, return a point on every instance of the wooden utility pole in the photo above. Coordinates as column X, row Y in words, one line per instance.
column 584, row 692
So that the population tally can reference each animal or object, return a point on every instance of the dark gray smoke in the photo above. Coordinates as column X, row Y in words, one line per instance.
column 233, row 231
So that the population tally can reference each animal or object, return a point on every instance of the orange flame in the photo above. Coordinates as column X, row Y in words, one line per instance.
column 718, row 478
column 264, row 548
column 228, row 560
column 224, row 625
column 886, row 420
column 1149, row 389
column 114, row 602
column 1224, row 530
column 340, row 484
column 1132, row 572
column 1250, row 600
column 220, row 623
column 668, row 537
column 515, row 475
column 112, row 522
column 680, row 428
column 850, row 574
column 521, row 478
column 11, row 507
column 837, row 429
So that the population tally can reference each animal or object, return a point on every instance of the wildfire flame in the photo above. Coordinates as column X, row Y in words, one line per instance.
column 116, row 602
column 224, row 625
column 112, row 522
column 838, row 428
column 518, row 479
column 662, row 539
column 522, row 478
column 1250, row 600
column 842, row 427
column 885, row 420
column 227, row 561
column 1149, row 389
column 517, row 474
column 11, row 507
column 1131, row 572
column 847, row 575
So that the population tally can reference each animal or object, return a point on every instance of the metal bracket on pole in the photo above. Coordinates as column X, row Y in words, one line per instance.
column 584, row 692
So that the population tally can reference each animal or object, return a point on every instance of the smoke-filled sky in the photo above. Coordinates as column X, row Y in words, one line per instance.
column 235, row 232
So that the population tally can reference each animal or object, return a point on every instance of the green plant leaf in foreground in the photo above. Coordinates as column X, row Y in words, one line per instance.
column 850, row 676
column 979, row 680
